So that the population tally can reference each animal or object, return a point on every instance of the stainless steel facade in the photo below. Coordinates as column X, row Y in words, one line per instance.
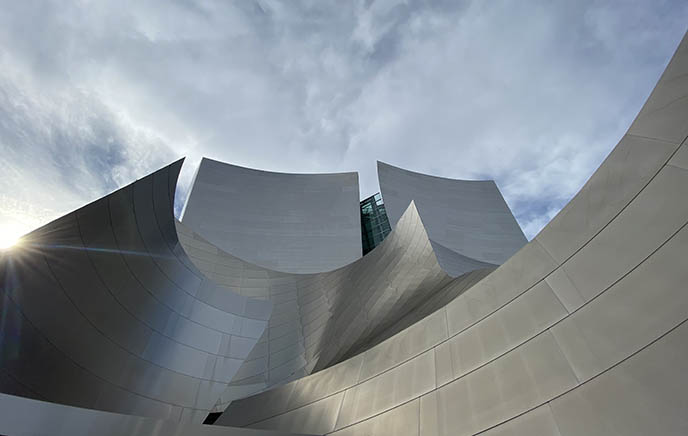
column 319, row 319
column 23, row 416
column 583, row 331
column 102, row 309
column 299, row 223
column 469, row 217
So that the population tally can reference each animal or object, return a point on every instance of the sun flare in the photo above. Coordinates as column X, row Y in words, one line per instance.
column 9, row 237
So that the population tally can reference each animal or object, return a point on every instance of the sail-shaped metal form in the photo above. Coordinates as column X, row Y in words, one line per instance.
column 102, row 309
column 468, row 217
column 319, row 319
column 298, row 223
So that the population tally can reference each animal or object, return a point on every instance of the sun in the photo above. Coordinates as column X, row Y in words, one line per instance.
column 9, row 237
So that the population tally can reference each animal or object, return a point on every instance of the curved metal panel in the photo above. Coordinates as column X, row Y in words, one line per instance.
column 468, row 217
column 22, row 416
column 102, row 309
column 299, row 223
column 321, row 319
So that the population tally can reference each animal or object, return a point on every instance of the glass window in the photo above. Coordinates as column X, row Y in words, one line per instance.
column 374, row 222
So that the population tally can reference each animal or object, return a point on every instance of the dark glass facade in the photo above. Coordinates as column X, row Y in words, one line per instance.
column 374, row 222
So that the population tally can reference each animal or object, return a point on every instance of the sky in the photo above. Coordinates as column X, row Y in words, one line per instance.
column 533, row 94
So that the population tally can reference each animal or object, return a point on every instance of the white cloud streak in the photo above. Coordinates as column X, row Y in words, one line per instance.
column 532, row 94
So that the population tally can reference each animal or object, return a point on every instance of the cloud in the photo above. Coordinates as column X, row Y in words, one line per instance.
column 61, row 148
column 94, row 95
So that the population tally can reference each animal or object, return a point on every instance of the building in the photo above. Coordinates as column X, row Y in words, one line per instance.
column 298, row 223
column 117, row 319
column 374, row 222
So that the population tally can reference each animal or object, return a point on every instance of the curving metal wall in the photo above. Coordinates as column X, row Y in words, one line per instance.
column 133, row 312
column 299, row 223
column 469, row 217
column 320, row 319
column 102, row 309
column 22, row 416
column 582, row 332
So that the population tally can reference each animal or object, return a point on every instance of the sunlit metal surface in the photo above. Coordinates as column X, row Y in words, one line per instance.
column 102, row 309
column 320, row 319
column 23, row 416
column 468, row 217
column 299, row 223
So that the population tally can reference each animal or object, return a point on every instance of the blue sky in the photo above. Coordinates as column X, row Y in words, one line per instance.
column 533, row 94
